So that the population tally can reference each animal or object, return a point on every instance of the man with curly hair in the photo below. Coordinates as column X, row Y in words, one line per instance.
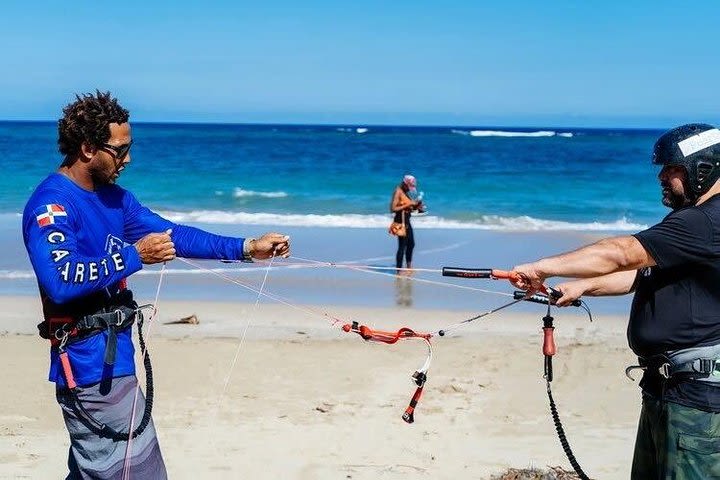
column 85, row 235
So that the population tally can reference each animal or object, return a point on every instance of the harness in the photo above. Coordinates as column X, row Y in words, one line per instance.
column 120, row 313
column 700, row 364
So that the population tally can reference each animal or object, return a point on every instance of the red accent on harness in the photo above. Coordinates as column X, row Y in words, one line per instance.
column 58, row 323
column 69, row 378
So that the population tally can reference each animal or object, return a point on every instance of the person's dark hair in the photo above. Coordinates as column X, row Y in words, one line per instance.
column 87, row 120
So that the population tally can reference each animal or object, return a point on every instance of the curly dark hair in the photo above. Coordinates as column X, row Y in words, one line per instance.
column 87, row 120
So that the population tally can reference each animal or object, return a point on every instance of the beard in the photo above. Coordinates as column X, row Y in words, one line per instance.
column 675, row 199
column 102, row 177
column 105, row 173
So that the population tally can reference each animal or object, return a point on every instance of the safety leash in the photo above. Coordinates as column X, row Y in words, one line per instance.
column 549, row 348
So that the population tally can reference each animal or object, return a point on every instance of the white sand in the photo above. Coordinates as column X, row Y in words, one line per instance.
column 323, row 404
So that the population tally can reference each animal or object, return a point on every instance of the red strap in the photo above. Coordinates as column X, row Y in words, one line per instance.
column 69, row 378
column 385, row 337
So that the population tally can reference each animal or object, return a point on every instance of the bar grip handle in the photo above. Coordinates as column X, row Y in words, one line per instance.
column 520, row 294
column 467, row 272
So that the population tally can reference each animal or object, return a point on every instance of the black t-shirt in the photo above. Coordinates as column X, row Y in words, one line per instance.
column 677, row 302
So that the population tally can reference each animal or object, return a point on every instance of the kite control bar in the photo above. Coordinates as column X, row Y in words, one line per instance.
column 521, row 295
column 492, row 274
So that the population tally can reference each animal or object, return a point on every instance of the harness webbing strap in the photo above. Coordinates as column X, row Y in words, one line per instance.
column 700, row 364
column 91, row 422
column 119, row 314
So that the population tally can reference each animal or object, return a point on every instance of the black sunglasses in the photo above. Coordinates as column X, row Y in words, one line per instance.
column 119, row 152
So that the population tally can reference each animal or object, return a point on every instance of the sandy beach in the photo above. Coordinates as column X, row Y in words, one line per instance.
column 306, row 401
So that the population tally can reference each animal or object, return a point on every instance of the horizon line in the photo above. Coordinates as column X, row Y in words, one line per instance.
column 357, row 125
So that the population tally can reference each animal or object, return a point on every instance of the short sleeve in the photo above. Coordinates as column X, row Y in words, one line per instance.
column 686, row 236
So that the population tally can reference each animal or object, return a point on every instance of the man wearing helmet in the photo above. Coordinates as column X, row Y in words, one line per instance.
column 674, row 326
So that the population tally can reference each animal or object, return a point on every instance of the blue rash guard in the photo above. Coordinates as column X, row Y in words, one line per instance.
column 80, row 246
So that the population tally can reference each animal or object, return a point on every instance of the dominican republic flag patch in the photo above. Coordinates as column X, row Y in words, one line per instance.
column 50, row 214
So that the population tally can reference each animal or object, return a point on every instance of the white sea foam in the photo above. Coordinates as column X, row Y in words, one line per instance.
column 29, row 274
column 353, row 130
column 504, row 133
column 240, row 193
column 16, row 274
column 486, row 222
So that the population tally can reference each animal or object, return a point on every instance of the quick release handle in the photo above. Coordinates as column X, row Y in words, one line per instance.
column 549, row 348
column 467, row 272
column 520, row 294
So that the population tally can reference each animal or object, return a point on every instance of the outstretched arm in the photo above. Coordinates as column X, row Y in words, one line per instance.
column 606, row 256
column 618, row 283
column 142, row 224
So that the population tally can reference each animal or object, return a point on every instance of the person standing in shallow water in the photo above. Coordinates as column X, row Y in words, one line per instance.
column 402, row 206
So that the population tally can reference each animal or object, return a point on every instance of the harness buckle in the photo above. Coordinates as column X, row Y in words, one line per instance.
column 664, row 370
column 120, row 317
column 629, row 369
column 705, row 366
column 63, row 338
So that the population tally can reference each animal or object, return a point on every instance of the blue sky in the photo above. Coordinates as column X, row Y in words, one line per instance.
column 512, row 63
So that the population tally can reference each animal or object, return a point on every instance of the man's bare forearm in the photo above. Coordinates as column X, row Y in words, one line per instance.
column 601, row 258
column 618, row 283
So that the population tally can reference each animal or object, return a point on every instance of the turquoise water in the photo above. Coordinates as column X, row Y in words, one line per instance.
column 486, row 178
column 496, row 197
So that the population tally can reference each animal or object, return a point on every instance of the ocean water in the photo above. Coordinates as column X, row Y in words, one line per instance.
column 323, row 176
column 496, row 197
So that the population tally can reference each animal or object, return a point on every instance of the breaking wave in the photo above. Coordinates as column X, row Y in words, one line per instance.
column 240, row 193
column 504, row 133
column 349, row 220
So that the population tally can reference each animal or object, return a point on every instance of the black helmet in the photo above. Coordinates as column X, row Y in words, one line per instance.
column 696, row 147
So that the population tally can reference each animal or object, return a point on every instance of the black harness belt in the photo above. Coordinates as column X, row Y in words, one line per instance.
column 116, row 320
column 111, row 319
column 701, row 364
